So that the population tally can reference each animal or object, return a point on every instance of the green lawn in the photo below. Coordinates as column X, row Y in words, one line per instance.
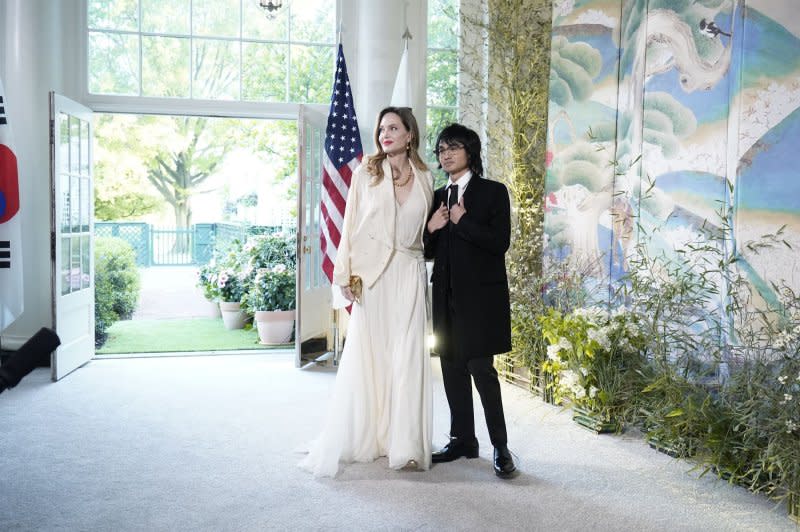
column 171, row 335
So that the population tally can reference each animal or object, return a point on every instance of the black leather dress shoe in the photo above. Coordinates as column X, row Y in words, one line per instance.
column 503, row 462
column 455, row 449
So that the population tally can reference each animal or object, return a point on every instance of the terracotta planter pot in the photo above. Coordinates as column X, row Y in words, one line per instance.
column 232, row 315
column 274, row 326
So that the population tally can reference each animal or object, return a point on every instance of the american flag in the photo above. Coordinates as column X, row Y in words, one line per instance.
column 343, row 154
column 11, row 303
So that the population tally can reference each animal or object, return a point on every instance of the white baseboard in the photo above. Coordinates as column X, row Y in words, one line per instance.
column 12, row 343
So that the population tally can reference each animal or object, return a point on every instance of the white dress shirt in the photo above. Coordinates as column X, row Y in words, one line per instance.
column 462, row 183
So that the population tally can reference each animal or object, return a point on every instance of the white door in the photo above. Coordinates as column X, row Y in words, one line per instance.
column 71, row 228
column 313, row 288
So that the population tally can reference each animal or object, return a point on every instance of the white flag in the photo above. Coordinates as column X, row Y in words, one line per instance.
column 401, row 95
column 11, row 301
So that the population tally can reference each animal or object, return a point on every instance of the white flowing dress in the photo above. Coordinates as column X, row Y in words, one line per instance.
column 381, row 404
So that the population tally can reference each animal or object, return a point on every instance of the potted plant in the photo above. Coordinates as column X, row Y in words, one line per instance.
column 207, row 283
column 271, row 299
column 231, row 289
column 266, row 250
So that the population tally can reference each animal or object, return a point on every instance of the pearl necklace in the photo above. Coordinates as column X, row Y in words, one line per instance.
column 396, row 181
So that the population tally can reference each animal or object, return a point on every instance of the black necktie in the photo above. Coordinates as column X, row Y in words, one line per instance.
column 453, row 199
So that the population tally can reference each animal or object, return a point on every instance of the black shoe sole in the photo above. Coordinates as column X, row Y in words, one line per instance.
column 506, row 475
column 445, row 459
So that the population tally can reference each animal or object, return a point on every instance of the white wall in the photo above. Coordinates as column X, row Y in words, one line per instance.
column 37, row 50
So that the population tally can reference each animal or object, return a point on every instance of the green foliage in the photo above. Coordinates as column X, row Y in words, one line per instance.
column 560, row 288
column 259, row 273
column 145, row 162
column 264, row 251
column 722, row 382
column 116, row 283
column 443, row 24
column 225, row 276
column 207, row 281
column 270, row 263
column 442, row 75
column 124, row 206
column 594, row 358
column 271, row 289
column 519, row 73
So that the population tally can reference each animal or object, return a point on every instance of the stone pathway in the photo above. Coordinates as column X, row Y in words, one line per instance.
column 170, row 292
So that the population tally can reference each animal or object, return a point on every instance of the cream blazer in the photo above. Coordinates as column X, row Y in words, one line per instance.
column 367, row 242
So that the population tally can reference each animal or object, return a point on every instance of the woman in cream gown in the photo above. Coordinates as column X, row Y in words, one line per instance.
column 381, row 403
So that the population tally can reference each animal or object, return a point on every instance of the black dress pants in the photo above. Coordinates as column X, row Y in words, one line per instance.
column 458, row 374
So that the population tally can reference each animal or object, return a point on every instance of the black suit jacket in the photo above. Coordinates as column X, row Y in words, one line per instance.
column 471, row 308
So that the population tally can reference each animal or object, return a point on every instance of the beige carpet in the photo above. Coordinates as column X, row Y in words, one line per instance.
column 210, row 443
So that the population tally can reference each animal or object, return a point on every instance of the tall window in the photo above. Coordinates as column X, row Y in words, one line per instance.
column 211, row 49
column 442, row 99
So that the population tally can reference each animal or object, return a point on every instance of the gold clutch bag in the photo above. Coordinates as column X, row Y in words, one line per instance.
column 355, row 287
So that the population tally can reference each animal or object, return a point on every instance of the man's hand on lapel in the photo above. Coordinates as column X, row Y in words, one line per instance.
column 457, row 211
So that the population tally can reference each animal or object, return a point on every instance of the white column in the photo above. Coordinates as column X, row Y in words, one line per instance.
column 379, row 30
column 35, row 45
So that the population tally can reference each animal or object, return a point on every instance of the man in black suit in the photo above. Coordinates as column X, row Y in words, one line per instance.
column 467, row 235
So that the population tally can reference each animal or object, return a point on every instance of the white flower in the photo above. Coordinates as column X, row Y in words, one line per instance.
column 563, row 343
column 579, row 392
column 783, row 340
column 782, row 379
column 584, row 371
column 791, row 426
column 593, row 315
column 600, row 336
column 552, row 352
column 619, row 311
column 593, row 391
column 568, row 378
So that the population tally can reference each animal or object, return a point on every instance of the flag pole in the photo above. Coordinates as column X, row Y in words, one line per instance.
column 343, row 153
column 337, row 349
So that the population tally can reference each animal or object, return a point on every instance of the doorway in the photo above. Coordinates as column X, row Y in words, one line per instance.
column 182, row 201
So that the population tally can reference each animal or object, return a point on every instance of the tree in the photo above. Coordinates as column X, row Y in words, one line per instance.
column 120, row 189
column 190, row 156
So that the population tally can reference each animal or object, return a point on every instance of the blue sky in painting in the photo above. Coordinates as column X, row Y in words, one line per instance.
column 763, row 55
column 771, row 181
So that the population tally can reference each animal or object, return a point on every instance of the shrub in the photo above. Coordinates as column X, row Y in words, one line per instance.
column 116, row 278
column 271, row 289
column 594, row 358
column 232, row 275
column 269, row 263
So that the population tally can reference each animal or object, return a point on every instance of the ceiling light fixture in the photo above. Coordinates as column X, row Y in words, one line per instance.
column 270, row 7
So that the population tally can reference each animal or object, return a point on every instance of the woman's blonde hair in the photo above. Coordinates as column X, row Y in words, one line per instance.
column 375, row 161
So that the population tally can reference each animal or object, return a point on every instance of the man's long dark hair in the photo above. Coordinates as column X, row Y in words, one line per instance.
column 458, row 135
